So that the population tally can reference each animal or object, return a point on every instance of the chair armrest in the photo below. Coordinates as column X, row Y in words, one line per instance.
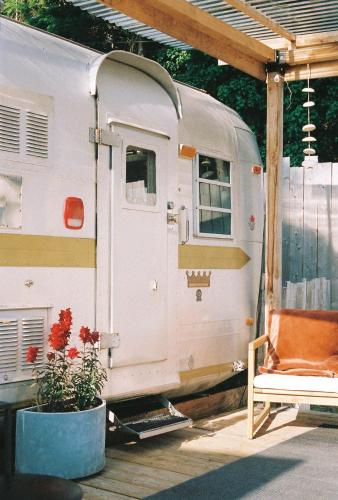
column 255, row 344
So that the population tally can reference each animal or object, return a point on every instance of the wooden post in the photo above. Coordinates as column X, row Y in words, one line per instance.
column 274, row 154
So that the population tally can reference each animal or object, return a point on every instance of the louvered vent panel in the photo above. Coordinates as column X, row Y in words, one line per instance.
column 9, row 129
column 37, row 135
column 32, row 335
column 8, row 345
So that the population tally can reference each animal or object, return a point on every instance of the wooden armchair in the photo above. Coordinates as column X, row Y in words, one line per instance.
column 301, row 362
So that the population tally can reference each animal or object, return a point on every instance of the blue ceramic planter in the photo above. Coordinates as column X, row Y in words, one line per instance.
column 67, row 445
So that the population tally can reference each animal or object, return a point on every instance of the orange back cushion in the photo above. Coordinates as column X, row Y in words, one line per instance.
column 302, row 340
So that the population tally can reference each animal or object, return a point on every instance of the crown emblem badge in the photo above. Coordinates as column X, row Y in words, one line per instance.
column 198, row 280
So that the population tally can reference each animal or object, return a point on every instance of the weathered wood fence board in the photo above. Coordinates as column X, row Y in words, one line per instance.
column 296, row 228
column 310, row 236
column 334, row 239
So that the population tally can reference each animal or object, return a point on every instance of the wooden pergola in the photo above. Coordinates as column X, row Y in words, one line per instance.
column 255, row 43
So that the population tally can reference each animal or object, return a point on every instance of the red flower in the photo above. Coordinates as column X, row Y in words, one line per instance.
column 58, row 337
column 32, row 354
column 95, row 337
column 73, row 353
column 65, row 319
column 50, row 356
column 85, row 334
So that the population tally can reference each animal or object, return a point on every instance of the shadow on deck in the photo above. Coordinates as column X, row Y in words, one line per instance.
column 294, row 456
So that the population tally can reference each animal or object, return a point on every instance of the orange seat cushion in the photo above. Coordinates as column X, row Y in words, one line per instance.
column 302, row 343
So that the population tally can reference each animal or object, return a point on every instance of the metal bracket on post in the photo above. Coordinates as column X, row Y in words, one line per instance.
column 278, row 65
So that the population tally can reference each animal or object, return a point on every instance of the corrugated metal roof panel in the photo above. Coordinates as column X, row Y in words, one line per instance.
column 299, row 17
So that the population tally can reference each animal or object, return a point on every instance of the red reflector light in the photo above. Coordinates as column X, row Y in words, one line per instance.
column 256, row 169
column 74, row 213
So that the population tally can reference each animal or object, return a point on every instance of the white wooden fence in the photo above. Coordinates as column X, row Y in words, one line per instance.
column 310, row 235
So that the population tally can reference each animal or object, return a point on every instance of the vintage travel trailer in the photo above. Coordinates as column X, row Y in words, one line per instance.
column 136, row 201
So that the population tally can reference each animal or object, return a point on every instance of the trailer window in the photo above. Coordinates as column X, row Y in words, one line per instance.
column 213, row 196
column 140, row 176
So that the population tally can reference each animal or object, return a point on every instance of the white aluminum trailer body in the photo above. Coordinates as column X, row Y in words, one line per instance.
column 173, row 303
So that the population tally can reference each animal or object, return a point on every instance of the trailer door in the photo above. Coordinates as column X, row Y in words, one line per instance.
column 139, row 246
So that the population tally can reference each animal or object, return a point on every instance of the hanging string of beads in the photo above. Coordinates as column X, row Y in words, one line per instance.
column 309, row 127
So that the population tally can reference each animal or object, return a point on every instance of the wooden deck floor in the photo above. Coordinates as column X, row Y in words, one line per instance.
column 136, row 470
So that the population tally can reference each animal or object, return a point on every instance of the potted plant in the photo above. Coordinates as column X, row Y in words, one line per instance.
column 64, row 434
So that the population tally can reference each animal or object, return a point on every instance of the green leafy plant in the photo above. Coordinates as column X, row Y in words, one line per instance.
column 70, row 379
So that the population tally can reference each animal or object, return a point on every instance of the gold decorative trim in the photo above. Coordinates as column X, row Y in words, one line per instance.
column 27, row 250
column 211, row 257
column 186, row 376
column 198, row 280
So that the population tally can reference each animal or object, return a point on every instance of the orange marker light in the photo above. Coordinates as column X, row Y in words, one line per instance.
column 73, row 213
column 187, row 152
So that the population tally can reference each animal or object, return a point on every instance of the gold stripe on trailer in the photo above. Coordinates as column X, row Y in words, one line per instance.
column 187, row 375
column 27, row 250
column 211, row 257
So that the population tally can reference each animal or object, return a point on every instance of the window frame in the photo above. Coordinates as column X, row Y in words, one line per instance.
column 129, row 142
column 196, row 195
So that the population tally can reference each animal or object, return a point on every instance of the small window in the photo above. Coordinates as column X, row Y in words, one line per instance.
column 214, row 196
column 140, row 176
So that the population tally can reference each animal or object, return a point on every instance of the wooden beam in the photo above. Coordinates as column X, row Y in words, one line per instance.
column 274, row 154
column 188, row 23
column 277, row 43
column 314, row 54
column 316, row 39
column 261, row 18
column 318, row 70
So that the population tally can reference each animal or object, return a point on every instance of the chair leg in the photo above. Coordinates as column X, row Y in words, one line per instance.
column 250, row 420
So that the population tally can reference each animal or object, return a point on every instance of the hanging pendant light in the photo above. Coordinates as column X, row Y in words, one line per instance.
column 309, row 127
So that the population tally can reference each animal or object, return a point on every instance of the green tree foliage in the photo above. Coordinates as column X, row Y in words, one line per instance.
column 64, row 19
column 235, row 89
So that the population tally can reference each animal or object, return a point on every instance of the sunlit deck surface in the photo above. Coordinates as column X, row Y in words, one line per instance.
column 136, row 470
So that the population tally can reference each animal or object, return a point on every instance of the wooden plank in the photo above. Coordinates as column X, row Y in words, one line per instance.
column 261, row 18
column 163, row 458
column 318, row 70
column 312, row 40
column 316, row 39
column 286, row 220
column 108, row 484
column 201, row 30
column 142, row 475
column 273, row 264
column 310, row 222
column 91, row 493
column 311, row 55
column 296, row 224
